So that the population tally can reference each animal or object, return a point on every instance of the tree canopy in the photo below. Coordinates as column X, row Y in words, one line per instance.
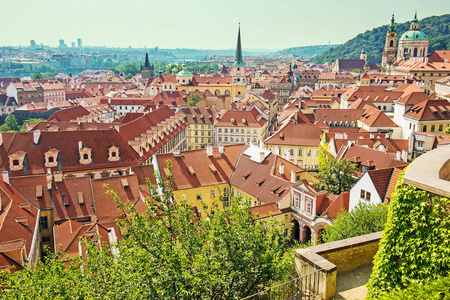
column 336, row 176
column 364, row 219
column 193, row 99
column 168, row 252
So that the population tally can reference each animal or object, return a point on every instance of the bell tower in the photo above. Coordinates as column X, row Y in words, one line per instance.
column 390, row 48
column 238, row 70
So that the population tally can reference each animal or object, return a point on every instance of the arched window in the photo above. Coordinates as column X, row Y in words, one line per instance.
column 227, row 92
column 391, row 43
column 217, row 93
column 415, row 52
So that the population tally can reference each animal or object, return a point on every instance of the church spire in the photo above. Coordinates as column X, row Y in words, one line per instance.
column 238, row 58
column 147, row 61
column 393, row 27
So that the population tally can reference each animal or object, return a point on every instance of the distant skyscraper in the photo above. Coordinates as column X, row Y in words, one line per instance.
column 73, row 44
column 61, row 43
column 80, row 44
column 33, row 44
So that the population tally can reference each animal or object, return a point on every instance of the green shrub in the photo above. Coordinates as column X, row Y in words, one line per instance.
column 364, row 219
column 415, row 245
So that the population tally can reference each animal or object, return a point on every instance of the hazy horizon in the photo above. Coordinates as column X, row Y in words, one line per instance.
column 201, row 24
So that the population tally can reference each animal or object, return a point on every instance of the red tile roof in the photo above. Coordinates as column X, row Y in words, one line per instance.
column 296, row 134
column 213, row 170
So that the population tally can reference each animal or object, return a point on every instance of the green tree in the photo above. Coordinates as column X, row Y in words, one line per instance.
column 11, row 122
column 168, row 252
column 70, row 74
column 23, row 128
column 37, row 75
column 193, row 99
column 336, row 176
column 170, row 67
column 415, row 245
column 447, row 130
column 363, row 219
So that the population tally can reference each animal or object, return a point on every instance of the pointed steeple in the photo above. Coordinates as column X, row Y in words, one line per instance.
column 393, row 27
column 238, row 58
column 147, row 61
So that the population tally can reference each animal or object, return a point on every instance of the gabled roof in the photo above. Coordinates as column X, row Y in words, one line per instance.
column 296, row 135
column 374, row 117
column 430, row 110
column 69, row 114
column 15, row 235
column 380, row 159
column 252, row 119
column 259, row 180
column 189, row 173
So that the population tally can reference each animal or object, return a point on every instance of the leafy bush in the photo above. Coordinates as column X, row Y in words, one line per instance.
column 434, row 289
column 364, row 219
column 415, row 245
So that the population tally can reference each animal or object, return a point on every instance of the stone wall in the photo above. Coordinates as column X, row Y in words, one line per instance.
column 335, row 257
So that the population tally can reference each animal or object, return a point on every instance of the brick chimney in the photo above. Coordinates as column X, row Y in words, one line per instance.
column 221, row 149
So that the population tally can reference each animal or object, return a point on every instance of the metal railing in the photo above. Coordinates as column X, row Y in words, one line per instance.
column 301, row 288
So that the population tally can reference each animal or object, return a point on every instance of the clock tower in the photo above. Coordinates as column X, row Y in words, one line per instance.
column 390, row 48
column 238, row 71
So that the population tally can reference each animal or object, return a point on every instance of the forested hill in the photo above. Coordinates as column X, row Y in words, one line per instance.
column 372, row 41
column 305, row 51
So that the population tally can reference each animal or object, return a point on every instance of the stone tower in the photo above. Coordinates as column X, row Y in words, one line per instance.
column 147, row 71
column 390, row 48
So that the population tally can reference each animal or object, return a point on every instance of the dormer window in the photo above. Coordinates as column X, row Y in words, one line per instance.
column 16, row 160
column 113, row 153
column 85, row 155
column 232, row 120
column 51, row 158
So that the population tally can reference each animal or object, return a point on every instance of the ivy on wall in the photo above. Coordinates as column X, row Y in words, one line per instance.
column 415, row 245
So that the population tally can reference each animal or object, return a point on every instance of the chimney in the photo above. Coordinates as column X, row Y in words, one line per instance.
column 48, row 177
column 36, row 136
column 382, row 148
column 372, row 136
column 288, row 155
column 280, row 168
column 6, row 177
column 209, row 150
column 261, row 157
column 58, row 175
column 387, row 135
column 222, row 112
column 261, row 144
column 404, row 155
column 292, row 176
column 80, row 145
column 109, row 100
column 398, row 155
column 221, row 149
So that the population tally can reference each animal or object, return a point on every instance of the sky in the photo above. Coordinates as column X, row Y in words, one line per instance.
column 202, row 24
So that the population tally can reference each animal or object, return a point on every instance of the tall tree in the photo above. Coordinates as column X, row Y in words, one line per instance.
column 336, row 176
column 11, row 121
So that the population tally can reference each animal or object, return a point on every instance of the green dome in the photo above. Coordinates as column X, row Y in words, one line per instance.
column 184, row 73
column 414, row 35
column 174, row 70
